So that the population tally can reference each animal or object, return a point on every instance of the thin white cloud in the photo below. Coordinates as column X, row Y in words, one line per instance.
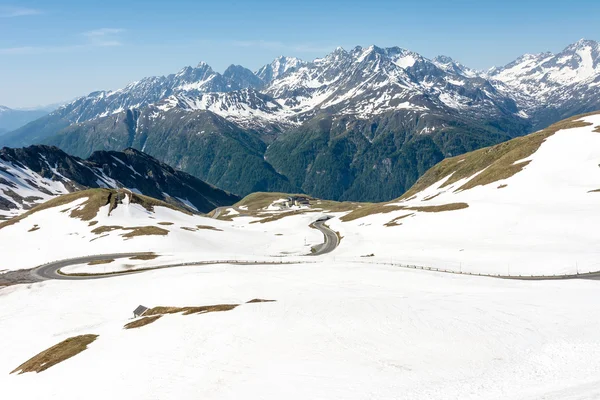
column 105, row 37
column 12, row 12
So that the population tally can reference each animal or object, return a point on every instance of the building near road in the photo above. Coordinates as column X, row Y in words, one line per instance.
column 139, row 311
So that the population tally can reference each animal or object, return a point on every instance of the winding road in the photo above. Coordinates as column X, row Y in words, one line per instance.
column 51, row 271
column 331, row 239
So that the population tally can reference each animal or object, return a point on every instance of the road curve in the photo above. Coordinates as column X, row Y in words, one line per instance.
column 331, row 239
column 51, row 270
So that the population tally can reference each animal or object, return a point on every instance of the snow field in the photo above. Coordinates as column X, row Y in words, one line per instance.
column 336, row 330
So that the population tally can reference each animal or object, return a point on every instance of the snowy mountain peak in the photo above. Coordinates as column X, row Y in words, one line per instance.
column 278, row 67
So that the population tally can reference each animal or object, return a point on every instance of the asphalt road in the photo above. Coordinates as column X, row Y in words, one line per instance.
column 331, row 239
column 50, row 271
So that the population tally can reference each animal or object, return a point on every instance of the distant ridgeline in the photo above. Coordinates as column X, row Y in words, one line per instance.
column 359, row 125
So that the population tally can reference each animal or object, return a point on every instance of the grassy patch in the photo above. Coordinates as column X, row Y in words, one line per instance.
column 138, row 323
column 100, row 262
column 56, row 354
column 144, row 257
column 281, row 215
column 190, row 310
column 597, row 129
column 34, row 228
column 208, row 227
column 165, row 223
column 502, row 186
column 92, row 223
column 367, row 209
column 259, row 301
column 106, row 228
column 187, row 228
column 431, row 197
column 259, row 200
column 495, row 163
column 145, row 231
column 96, row 198
column 394, row 222
column 442, row 208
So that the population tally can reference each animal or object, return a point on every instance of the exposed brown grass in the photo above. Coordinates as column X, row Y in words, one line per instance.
column 259, row 301
column 597, row 129
column 100, row 262
column 259, row 200
column 495, row 163
column 96, row 198
column 144, row 257
column 502, row 186
column 145, row 231
column 106, row 228
column 92, row 223
column 431, row 197
column 441, row 208
column 61, row 201
column 394, row 222
column 208, row 227
column 56, row 354
column 369, row 209
column 34, row 228
column 138, row 323
column 281, row 215
column 190, row 310
column 335, row 206
column 165, row 223
column 187, row 228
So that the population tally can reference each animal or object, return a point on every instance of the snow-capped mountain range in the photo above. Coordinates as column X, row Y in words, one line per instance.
column 361, row 82
column 379, row 100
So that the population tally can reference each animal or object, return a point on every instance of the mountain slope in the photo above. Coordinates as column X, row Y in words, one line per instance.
column 198, row 142
column 35, row 174
column 374, row 119
column 526, row 206
column 12, row 119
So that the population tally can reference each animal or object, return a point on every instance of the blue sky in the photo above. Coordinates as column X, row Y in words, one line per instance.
column 52, row 51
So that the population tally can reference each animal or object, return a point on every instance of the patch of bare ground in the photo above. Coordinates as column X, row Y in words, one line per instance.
column 259, row 301
column 259, row 200
column 335, row 206
column 190, row 310
column 95, row 199
column 145, row 231
column 34, row 228
column 367, row 209
column 494, row 163
column 394, row 222
column 105, row 228
column 56, row 354
column 134, row 231
column 597, row 129
column 431, row 197
column 165, row 223
column 208, row 227
column 92, row 223
column 281, row 215
column 502, row 186
column 100, row 262
column 441, row 208
column 138, row 323
column 144, row 257
column 187, row 228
